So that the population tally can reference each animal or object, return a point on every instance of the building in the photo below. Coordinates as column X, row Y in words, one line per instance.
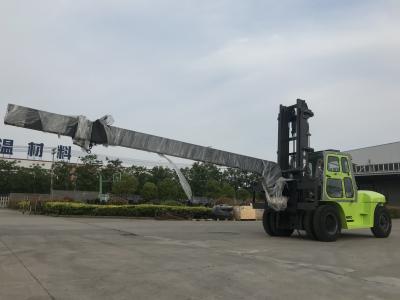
column 377, row 168
column 29, row 163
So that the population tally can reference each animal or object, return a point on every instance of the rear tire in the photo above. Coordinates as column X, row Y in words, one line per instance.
column 382, row 222
column 327, row 224
column 269, row 224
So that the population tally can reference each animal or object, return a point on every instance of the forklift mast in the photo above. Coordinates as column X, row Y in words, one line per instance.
column 293, row 155
column 294, row 139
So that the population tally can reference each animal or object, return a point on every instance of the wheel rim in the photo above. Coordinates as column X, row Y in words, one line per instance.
column 384, row 222
column 331, row 224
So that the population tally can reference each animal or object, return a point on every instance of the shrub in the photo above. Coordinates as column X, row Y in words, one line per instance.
column 172, row 203
column 24, row 205
column 67, row 208
column 115, row 200
column 142, row 210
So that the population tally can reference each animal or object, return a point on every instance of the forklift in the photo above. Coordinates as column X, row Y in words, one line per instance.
column 318, row 188
column 322, row 193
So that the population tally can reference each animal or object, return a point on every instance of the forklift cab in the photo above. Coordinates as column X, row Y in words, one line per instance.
column 334, row 176
column 338, row 180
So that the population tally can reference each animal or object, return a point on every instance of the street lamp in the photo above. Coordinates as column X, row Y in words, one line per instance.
column 53, row 152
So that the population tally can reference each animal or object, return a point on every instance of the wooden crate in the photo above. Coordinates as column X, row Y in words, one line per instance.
column 244, row 213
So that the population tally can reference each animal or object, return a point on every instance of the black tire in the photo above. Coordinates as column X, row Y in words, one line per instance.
column 327, row 224
column 382, row 222
column 267, row 216
column 309, row 225
column 269, row 224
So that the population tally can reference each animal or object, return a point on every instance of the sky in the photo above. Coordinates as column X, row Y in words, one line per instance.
column 210, row 72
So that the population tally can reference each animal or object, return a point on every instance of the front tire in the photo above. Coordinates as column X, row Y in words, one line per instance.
column 270, row 224
column 327, row 224
column 309, row 225
column 382, row 222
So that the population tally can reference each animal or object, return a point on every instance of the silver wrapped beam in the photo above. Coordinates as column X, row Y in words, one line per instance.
column 85, row 133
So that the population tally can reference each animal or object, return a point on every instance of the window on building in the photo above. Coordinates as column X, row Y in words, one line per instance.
column 348, row 187
column 333, row 164
column 334, row 188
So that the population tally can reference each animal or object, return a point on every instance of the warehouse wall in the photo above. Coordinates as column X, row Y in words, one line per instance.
column 388, row 185
column 387, row 153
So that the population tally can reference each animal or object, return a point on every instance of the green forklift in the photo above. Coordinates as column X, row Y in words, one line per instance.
column 321, row 191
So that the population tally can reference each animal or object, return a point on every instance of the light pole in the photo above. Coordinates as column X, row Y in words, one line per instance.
column 100, row 185
column 53, row 152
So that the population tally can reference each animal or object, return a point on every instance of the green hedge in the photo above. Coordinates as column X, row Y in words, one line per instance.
column 142, row 210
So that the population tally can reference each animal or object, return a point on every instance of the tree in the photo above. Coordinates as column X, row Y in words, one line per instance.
column 243, row 194
column 240, row 179
column 168, row 189
column 112, row 170
column 149, row 191
column 61, row 175
column 30, row 180
column 213, row 189
column 227, row 191
column 141, row 173
column 7, row 175
column 41, row 180
column 87, row 173
column 126, row 186
column 199, row 175
column 158, row 174
column 205, row 179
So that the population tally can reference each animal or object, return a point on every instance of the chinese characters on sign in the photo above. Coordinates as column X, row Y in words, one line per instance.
column 35, row 150
column 6, row 146
column 64, row 152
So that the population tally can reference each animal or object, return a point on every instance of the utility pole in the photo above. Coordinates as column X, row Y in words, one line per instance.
column 100, row 185
column 53, row 152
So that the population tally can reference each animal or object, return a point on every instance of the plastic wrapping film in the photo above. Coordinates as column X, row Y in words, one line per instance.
column 43, row 121
column 85, row 133
column 79, row 128
column 182, row 179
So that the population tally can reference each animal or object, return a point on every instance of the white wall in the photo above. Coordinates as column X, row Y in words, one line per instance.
column 387, row 153
column 27, row 163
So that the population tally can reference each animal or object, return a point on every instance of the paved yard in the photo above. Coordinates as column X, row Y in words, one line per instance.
column 86, row 258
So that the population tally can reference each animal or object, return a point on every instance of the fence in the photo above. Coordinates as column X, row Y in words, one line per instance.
column 377, row 169
column 4, row 201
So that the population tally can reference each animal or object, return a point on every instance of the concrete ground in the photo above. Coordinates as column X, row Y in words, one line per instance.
column 87, row 258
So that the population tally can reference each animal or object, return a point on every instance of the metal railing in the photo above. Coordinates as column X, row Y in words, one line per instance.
column 377, row 169
column 4, row 201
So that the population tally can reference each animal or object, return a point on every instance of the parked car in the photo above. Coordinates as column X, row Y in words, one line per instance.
column 222, row 212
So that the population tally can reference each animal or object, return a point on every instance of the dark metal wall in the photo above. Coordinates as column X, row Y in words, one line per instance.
column 388, row 185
